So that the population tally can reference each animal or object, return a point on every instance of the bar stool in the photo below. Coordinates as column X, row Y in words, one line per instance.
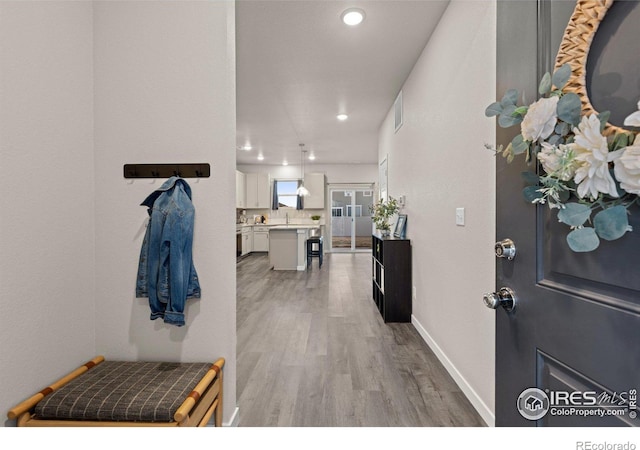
column 314, row 239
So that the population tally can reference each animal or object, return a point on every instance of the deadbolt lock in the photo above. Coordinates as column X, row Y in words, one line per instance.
column 505, row 249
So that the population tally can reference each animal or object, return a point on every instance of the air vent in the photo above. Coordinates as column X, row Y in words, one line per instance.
column 397, row 108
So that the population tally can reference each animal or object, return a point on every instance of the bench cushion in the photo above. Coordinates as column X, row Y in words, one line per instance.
column 124, row 391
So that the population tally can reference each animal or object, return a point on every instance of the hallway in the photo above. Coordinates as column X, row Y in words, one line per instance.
column 313, row 351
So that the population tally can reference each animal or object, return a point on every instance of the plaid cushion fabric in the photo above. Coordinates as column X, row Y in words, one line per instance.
column 124, row 391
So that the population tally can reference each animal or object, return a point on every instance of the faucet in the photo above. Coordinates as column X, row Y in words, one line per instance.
column 287, row 218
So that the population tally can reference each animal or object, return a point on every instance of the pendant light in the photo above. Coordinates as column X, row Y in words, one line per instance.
column 302, row 191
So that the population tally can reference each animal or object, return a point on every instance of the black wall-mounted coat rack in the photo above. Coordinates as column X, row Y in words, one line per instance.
column 198, row 170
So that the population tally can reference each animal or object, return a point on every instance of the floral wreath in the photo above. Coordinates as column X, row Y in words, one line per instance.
column 583, row 172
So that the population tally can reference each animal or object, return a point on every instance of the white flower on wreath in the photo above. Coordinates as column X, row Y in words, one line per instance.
column 540, row 120
column 558, row 161
column 633, row 120
column 592, row 152
column 627, row 168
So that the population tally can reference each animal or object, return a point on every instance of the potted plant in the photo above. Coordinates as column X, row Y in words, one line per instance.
column 381, row 213
column 316, row 219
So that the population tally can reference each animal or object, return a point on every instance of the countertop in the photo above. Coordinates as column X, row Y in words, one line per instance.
column 280, row 226
column 293, row 226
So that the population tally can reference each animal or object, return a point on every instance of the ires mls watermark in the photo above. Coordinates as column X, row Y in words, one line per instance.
column 534, row 403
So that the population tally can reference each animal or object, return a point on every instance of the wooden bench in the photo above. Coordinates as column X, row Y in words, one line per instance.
column 123, row 394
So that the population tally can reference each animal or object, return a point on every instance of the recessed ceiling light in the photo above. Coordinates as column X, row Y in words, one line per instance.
column 353, row 16
column 342, row 117
column 285, row 163
column 260, row 157
column 247, row 147
column 312, row 157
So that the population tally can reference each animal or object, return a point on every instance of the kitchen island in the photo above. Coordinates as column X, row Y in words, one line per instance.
column 288, row 246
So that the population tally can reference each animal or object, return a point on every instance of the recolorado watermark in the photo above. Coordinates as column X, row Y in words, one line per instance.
column 589, row 445
column 534, row 404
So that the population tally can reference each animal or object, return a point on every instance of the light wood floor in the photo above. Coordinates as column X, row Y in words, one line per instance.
column 314, row 351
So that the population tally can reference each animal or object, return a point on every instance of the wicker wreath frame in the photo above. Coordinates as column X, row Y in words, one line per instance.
column 574, row 50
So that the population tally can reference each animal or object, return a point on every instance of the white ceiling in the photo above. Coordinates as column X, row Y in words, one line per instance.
column 298, row 66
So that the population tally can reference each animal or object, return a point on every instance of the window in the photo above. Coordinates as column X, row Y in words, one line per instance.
column 336, row 211
column 287, row 197
column 358, row 211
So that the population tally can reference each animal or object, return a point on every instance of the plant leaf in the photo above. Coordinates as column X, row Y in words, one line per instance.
column 510, row 98
column 583, row 240
column 604, row 118
column 561, row 76
column 521, row 110
column 620, row 141
column 562, row 128
column 554, row 139
column 574, row 214
column 519, row 145
column 611, row 223
column 569, row 108
column 493, row 109
column 545, row 84
column 508, row 153
column 530, row 193
column 507, row 118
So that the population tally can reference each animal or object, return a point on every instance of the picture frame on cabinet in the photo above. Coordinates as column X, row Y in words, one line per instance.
column 401, row 226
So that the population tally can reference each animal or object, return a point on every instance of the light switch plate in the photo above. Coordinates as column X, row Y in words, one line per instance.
column 460, row 217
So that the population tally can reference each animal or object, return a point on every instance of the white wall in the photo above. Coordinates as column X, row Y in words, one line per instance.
column 86, row 87
column 47, row 219
column 438, row 160
column 165, row 92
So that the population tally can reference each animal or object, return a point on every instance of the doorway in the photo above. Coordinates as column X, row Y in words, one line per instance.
column 351, row 224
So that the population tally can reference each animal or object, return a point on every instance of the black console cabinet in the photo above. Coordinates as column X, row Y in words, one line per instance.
column 391, row 273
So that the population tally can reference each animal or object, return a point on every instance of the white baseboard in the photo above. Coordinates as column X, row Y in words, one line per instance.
column 480, row 406
column 235, row 417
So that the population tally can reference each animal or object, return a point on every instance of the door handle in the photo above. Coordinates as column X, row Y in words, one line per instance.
column 505, row 249
column 505, row 297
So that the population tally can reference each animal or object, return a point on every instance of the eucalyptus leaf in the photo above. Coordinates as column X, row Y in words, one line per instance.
column 611, row 223
column 507, row 118
column 510, row 98
column 569, row 108
column 545, row 84
column 620, row 141
column 604, row 118
column 561, row 76
column 554, row 139
column 574, row 214
column 519, row 145
column 530, row 178
column 493, row 109
column 583, row 240
column 530, row 193
column 562, row 128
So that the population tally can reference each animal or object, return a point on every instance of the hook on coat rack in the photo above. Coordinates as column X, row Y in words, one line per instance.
column 198, row 170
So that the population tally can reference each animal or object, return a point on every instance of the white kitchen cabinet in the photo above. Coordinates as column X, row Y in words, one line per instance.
column 241, row 195
column 315, row 183
column 258, row 190
column 260, row 239
column 247, row 240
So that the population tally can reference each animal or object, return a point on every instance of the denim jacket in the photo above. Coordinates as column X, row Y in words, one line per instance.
column 166, row 274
